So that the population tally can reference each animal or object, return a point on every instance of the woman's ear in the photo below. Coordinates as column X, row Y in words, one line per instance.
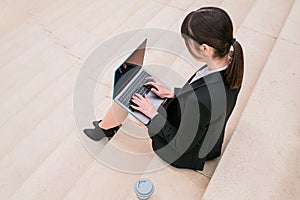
column 207, row 50
column 199, row 51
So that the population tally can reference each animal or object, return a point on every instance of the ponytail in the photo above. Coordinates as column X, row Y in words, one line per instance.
column 234, row 72
column 213, row 26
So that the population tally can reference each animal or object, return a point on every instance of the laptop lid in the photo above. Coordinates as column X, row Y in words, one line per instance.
column 129, row 68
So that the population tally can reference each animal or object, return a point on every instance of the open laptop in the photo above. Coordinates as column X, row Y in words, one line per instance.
column 130, row 78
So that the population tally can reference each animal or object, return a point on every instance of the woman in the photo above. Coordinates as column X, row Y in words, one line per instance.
column 188, row 128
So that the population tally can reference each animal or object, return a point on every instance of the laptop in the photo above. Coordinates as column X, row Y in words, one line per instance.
column 129, row 78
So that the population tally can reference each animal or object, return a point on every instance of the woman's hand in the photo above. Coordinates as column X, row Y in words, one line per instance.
column 158, row 88
column 144, row 105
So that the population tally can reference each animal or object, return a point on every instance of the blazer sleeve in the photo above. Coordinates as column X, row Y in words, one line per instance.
column 176, row 90
column 192, row 128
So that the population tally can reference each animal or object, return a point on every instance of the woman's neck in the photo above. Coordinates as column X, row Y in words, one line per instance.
column 217, row 63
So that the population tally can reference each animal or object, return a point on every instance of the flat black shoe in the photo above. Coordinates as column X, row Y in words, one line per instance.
column 98, row 133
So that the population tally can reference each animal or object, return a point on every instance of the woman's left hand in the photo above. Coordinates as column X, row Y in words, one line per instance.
column 144, row 105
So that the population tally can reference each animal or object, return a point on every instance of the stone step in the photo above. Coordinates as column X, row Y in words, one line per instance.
column 31, row 151
column 19, row 41
column 257, row 42
column 290, row 30
column 28, row 132
column 261, row 156
column 26, row 120
column 13, row 15
column 117, row 25
column 37, row 74
column 237, row 11
column 127, row 158
column 257, row 47
column 31, row 168
column 262, row 151
column 57, row 174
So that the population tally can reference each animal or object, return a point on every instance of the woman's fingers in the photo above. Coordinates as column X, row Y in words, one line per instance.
column 135, row 107
column 153, row 85
column 143, row 105
column 151, row 78
column 137, row 95
column 155, row 91
column 137, row 102
column 150, row 84
column 138, row 99
column 146, row 98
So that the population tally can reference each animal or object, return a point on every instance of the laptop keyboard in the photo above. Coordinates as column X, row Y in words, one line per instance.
column 137, row 86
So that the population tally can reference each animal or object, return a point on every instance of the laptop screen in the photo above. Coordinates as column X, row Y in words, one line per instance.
column 129, row 68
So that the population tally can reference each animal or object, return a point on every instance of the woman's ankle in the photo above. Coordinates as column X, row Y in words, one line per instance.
column 105, row 126
column 100, row 124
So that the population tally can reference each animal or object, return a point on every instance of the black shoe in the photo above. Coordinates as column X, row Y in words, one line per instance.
column 96, row 123
column 116, row 128
column 98, row 133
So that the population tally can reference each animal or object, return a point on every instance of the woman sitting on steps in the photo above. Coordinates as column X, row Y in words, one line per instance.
column 189, row 127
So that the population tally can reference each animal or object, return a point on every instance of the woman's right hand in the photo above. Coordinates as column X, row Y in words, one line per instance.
column 158, row 88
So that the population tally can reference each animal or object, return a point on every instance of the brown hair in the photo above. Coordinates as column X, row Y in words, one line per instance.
column 213, row 26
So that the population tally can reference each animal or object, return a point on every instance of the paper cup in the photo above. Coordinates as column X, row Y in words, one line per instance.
column 143, row 188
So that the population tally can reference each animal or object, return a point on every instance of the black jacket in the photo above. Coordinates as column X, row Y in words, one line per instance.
column 189, row 128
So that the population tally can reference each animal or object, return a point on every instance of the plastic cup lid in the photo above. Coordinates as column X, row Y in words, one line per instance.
column 143, row 187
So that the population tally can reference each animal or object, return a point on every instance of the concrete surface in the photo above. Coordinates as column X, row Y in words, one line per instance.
column 43, row 46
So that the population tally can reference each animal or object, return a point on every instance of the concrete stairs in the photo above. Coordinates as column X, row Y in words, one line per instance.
column 262, row 158
column 43, row 45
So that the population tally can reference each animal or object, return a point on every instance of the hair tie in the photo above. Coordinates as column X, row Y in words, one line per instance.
column 232, row 41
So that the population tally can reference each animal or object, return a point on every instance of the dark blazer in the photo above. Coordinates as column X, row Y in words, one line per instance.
column 189, row 128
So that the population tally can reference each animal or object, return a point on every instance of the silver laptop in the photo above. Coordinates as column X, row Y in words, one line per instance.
column 130, row 78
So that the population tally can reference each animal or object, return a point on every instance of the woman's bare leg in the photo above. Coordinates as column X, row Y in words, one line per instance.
column 113, row 117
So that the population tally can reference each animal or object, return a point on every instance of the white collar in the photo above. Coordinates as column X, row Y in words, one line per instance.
column 215, row 70
column 220, row 69
column 204, row 72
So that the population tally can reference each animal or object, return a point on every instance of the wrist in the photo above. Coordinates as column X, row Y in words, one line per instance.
column 152, row 113
column 170, row 95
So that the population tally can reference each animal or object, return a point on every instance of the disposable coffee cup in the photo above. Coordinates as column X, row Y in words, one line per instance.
column 143, row 188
